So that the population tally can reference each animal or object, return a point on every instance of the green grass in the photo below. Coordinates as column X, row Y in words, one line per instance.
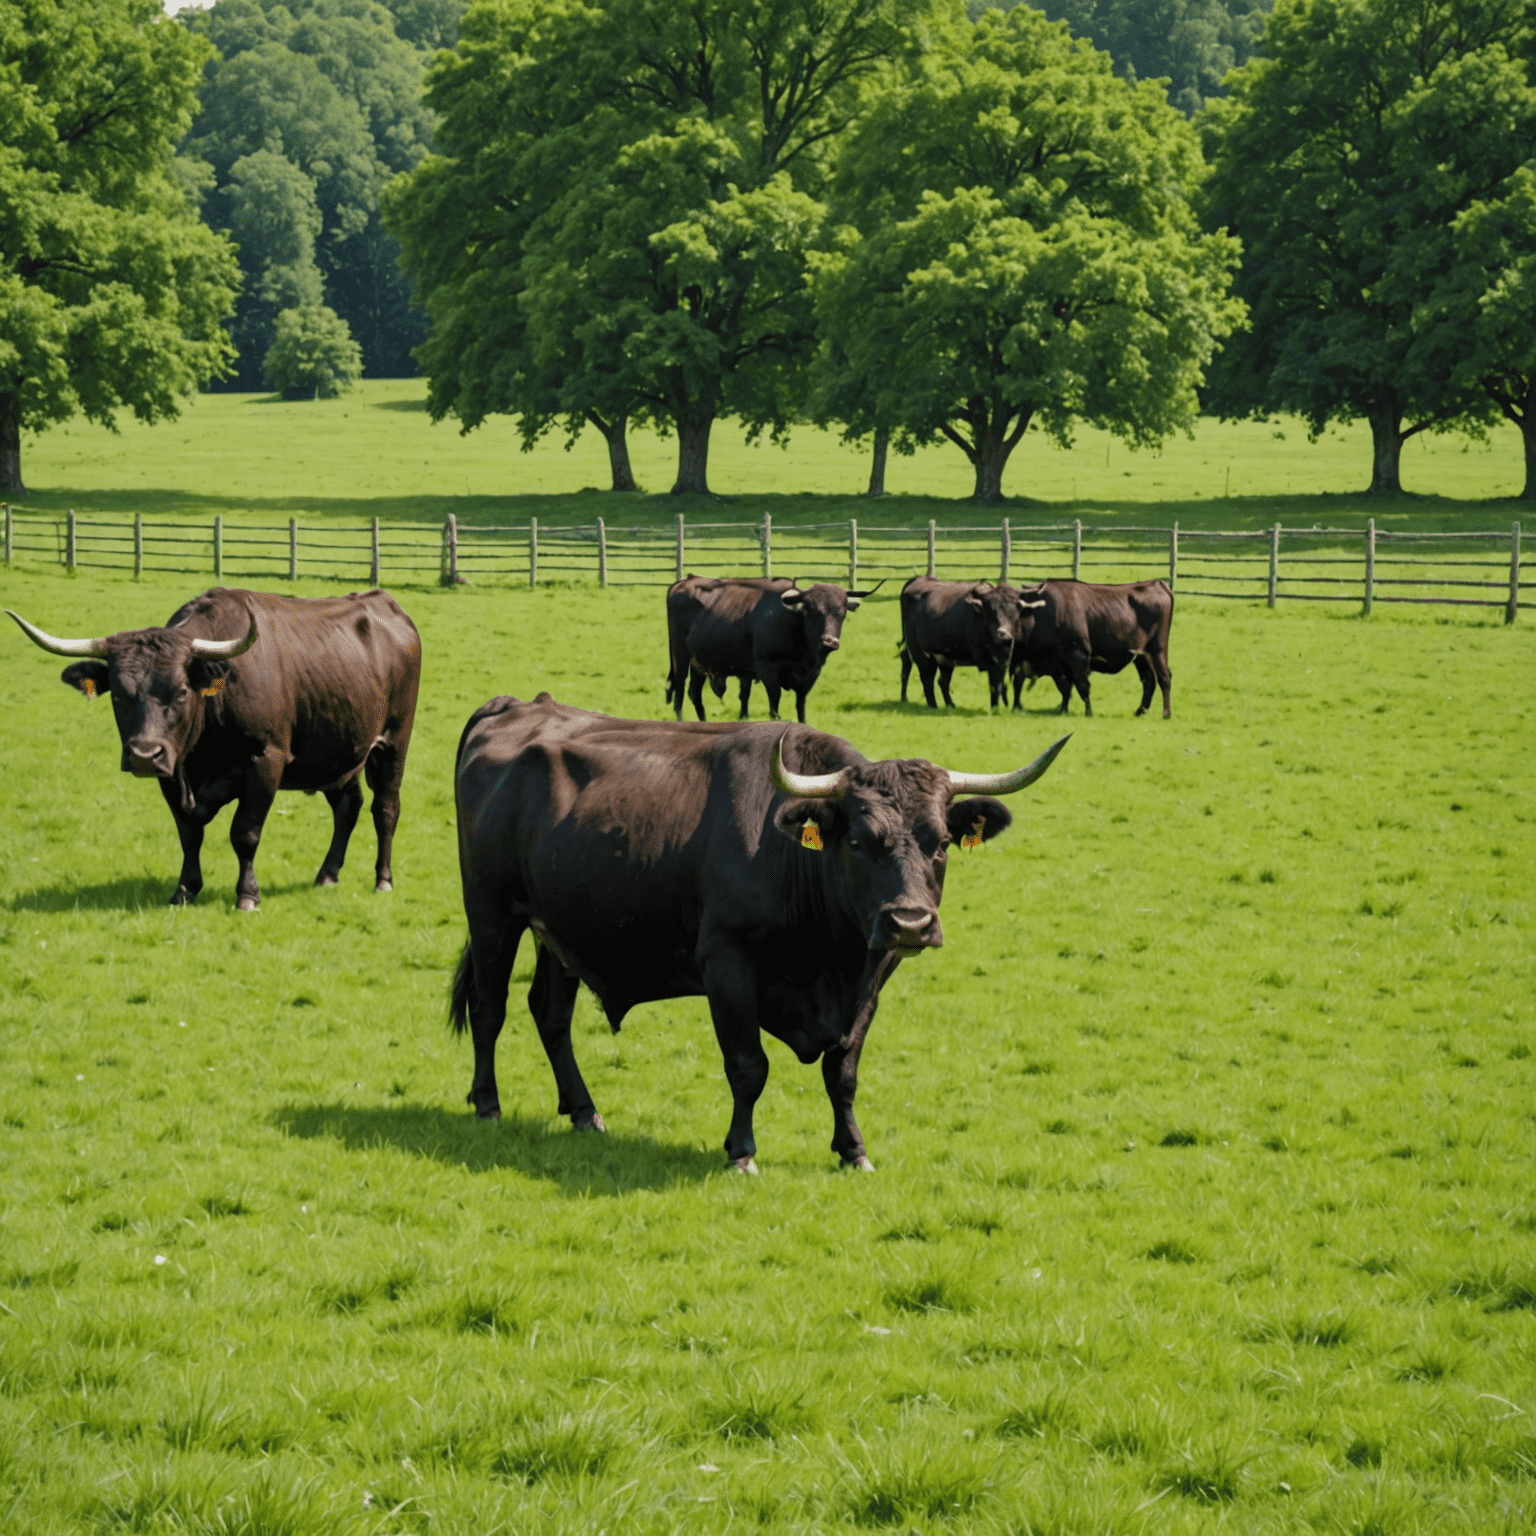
column 376, row 453
column 1205, row 1144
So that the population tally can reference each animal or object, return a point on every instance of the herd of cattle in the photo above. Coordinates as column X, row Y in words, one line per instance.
column 772, row 870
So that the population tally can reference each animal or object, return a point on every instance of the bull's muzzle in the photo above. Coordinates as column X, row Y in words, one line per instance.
column 830, row 642
column 148, row 759
column 908, row 929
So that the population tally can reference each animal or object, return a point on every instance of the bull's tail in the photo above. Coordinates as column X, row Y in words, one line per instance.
column 463, row 990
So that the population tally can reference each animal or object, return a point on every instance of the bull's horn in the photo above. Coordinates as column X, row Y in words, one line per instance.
column 1005, row 783
column 804, row 786
column 60, row 647
column 869, row 591
column 222, row 650
column 1040, row 604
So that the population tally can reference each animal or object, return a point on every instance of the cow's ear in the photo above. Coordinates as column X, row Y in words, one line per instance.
column 793, row 598
column 205, row 676
column 90, row 677
column 795, row 816
column 974, row 821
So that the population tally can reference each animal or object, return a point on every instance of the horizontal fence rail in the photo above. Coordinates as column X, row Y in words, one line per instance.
column 1475, row 568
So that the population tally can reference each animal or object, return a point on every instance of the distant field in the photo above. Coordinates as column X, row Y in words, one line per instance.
column 1204, row 1198
column 375, row 453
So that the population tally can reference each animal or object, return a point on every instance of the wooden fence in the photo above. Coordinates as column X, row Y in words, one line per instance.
column 1319, row 565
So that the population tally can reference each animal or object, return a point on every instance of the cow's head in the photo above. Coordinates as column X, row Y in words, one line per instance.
column 996, row 612
column 822, row 609
column 888, row 826
column 160, row 681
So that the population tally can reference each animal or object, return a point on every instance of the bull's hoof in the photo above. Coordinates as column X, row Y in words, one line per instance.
column 248, row 904
column 859, row 1164
column 488, row 1111
column 1167, row 714
column 324, row 879
column 594, row 1124
column 743, row 1165
column 182, row 897
column 383, row 885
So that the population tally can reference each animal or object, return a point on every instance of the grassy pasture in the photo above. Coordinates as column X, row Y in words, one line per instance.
column 1205, row 1144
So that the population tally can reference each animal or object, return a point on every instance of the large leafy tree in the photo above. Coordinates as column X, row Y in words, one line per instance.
column 618, row 222
column 1343, row 161
column 1022, row 252
column 112, row 292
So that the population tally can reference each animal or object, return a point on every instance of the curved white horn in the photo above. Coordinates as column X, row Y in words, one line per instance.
column 804, row 786
column 59, row 647
column 222, row 650
column 1005, row 783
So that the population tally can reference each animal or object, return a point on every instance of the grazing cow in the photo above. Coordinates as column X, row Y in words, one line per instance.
column 1068, row 629
column 949, row 624
column 242, row 694
column 752, row 627
column 770, row 869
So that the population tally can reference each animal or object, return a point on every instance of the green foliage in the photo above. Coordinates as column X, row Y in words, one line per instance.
column 1343, row 162
column 618, row 224
column 332, row 87
column 510, row 1327
column 1023, row 253
column 111, row 291
column 1189, row 43
column 312, row 353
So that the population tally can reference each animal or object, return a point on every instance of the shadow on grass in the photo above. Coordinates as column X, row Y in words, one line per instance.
column 959, row 712
column 110, row 896
column 580, row 1163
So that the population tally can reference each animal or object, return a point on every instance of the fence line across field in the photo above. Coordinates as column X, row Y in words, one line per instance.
column 1276, row 564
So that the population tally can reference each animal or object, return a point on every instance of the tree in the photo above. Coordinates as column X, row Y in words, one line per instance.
column 112, row 293
column 1343, row 161
column 1024, row 254
column 625, row 199
column 313, row 353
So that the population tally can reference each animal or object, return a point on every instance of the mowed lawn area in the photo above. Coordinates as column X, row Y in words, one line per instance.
column 1205, row 1144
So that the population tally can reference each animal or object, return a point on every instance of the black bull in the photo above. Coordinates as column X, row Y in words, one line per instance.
column 751, row 627
column 242, row 694
column 949, row 624
column 773, row 870
column 1067, row 629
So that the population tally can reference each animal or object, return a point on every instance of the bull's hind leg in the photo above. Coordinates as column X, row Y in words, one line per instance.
column 551, row 1001
column 1165, row 681
column 746, row 693
column 480, row 998
column 346, row 806
column 1148, row 683
column 946, row 672
column 385, row 768
column 696, row 692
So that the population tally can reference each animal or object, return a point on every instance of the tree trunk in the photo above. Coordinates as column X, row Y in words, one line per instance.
column 693, row 454
column 1528, row 434
column 10, row 447
column 877, row 463
column 618, row 450
column 1387, row 447
column 994, row 444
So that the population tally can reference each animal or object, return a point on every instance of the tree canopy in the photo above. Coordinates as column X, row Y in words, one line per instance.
column 1345, row 161
column 617, row 224
column 112, row 292
column 1021, row 251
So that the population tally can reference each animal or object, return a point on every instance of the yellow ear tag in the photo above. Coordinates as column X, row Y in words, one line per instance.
column 810, row 837
column 88, row 687
column 216, row 686
column 972, row 839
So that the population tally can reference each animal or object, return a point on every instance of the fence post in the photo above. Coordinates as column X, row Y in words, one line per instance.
column 449, row 573
column 1173, row 557
column 1274, row 562
column 1511, row 608
column 69, row 542
column 682, row 546
column 1007, row 549
column 853, row 553
column 767, row 544
column 1370, row 567
column 9, row 536
column 930, row 546
column 373, row 556
column 533, row 551
column 293, row 549
column 602, row 554
column 138, row 546
column 1077, row 548
column 218, row 547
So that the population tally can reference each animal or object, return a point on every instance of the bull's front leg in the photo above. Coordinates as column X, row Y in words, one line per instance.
column 730, row 984
column 746, row 694
column 696, row 691
column 840, row 1065
column 190, row 830
column 257, row 793
column 946, row 672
